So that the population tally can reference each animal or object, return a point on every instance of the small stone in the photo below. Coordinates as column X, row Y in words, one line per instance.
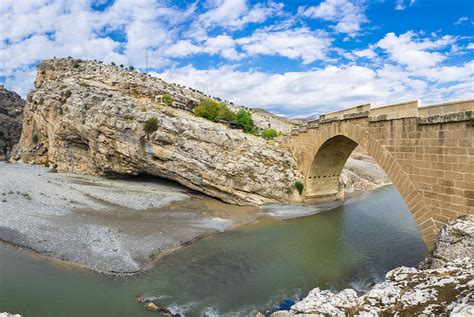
column 152, row 306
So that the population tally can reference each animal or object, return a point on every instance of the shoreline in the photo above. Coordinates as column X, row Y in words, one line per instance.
column 176, row 211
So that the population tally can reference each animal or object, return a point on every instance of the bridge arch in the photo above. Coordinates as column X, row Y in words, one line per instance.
column 333, row 145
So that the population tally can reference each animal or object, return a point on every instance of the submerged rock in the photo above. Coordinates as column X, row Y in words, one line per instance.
column 446, row 287
column 88, row 118
column 11, row 110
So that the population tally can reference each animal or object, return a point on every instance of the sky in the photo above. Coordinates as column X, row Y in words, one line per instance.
column 294, row 58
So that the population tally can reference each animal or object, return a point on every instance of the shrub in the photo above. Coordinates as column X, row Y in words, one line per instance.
column 121, row 65
column 67, row 93
column 269, row 134
column 167, row 99
column 213, row 110
column 244, row 119
column 41, row 101
column 132, row 68
column 35, row 138
column 299, row 187
column 151, row 125
column 113, row 63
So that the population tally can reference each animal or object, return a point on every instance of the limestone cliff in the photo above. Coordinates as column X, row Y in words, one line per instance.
column 86, row 117
column 11, row 110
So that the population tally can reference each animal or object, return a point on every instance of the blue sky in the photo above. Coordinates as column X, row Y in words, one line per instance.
column 291, row 57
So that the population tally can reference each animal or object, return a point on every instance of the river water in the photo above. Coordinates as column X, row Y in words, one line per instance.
column 233, row 273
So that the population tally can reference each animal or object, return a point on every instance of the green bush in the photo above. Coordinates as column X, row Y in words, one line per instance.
column 244, row 119
column 35, row 138
column 269, row 134
column 168, row 99
column 151, row 125
column 299, row 187
column 67, row 93
column 132, row 68
column 213, row 110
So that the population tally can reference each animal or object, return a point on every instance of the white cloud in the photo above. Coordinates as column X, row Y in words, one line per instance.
column 400, row 4
column 348, row 15
column 461, row 20
column 368, row 53
column 414, row 52
column 235, row 14
column 297, row 43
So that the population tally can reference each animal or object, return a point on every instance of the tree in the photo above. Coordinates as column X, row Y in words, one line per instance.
column 269, row 134
column 208, row 109
column 299, row 187
column 244, row 119
column 132, row 68
column 151, row 125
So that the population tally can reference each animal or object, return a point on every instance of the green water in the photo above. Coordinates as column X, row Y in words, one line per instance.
column 232, row 273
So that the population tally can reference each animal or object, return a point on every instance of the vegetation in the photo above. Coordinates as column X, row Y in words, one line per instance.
column 41, row 101
column 244, row 119
column 213, row 110
column 113, row 63
column 35, row 138
column 269, row 134
column 299, row 187
column 67, row 93
column 151, row 125
column 168, row 99
column 132, row 68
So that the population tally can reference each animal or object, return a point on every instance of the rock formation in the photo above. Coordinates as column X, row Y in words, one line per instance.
column 447, row 286
column 11, row 110
column 87, row 117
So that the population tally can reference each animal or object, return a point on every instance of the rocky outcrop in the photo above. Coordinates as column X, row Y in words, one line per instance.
column 456, row 240
column 86, row 117
column 445, row 287
column 11, row 110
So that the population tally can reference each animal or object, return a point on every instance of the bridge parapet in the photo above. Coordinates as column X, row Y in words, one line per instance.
column 435, row 113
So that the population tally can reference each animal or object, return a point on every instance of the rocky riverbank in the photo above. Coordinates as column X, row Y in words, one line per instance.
column 443, row 284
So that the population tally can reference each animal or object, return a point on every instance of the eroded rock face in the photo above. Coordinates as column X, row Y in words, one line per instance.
column 87, row 117
column 456, row 240
column 446, row 287
column 11, row 110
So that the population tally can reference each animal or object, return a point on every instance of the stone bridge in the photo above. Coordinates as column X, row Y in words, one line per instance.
column 427, row 152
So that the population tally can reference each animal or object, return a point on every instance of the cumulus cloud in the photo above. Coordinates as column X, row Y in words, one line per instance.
column 414, row 52
column 299, row 43
column 348, row 16
column 394, row 67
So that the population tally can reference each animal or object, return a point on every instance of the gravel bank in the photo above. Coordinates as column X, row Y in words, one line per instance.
column 111, row 226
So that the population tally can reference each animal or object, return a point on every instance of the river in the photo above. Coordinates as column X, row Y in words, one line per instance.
column 233, row 273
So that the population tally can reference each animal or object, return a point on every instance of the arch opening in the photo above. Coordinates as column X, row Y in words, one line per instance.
column 323, row 180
